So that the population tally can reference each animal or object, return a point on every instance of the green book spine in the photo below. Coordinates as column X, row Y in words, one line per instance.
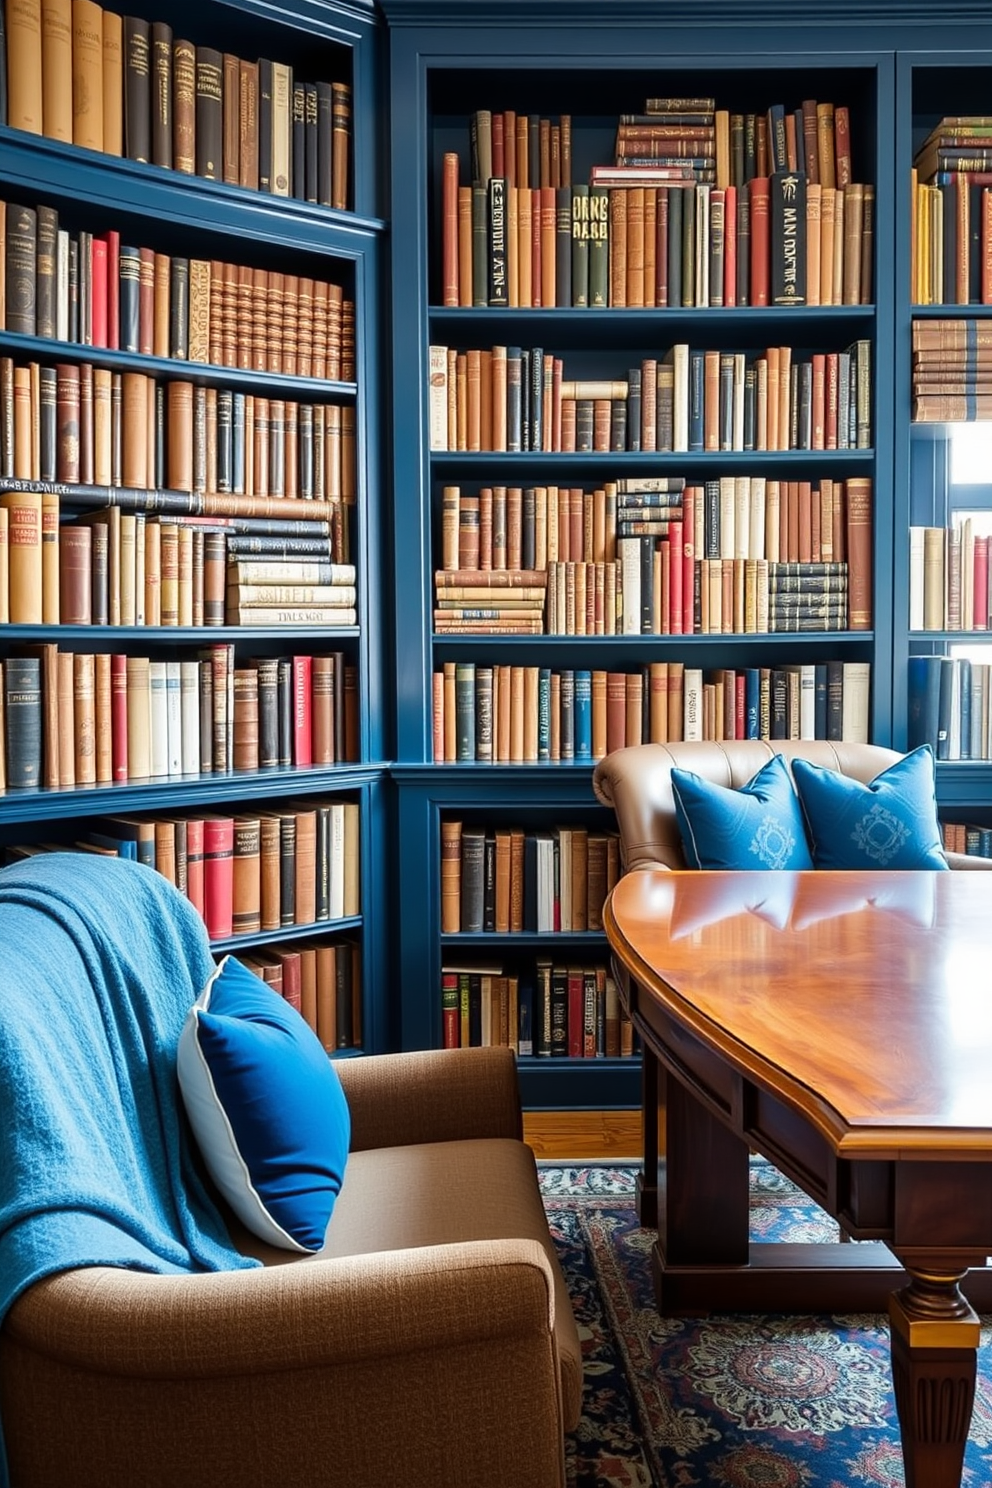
column 580, row 246
column 599, row 246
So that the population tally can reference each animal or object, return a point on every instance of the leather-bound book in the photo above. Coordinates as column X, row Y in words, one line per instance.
column 327, row 981
column 282, row 133
column 24, row 556
column 298, row 149
column 161, row 275
column 184, row 107
column 322, row 707
column 84, row 713
column 270, row 874
column 4, row 581
column 198, row 349
column 325, row 170
column 287, row 868
column 87, row 74
column 23, row 717
column 138, row 719
column 218, row 876
column 179, row 308
column 246, row 755
column 56, row 69
column 135, row 429
column 25, row 105
column 209, row 112
column 49, row 558
column 98, row 291
column 75, row 555
column 21, row 251
column 103, row 733
column 248, row 124
column 267, row 670
column 118, row 716
column 86, row 423
column 102, row 427
column 23, row 441
column 146, row 301
column 264, row 124
column 113, row 83
column 340, row 143
column 137, row 89
column 229, row 340
column 231, row 150
column 179, row 469
column 48, row 423
column 304, row 325
column 451, row 876
column 352, row 859
column 161, row 94
column 305, row 867
column 130, row 273
column 310, row 148
column 308, row 984
column 246, row 876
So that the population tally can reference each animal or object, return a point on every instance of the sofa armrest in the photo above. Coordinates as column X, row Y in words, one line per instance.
column 435, row 1095
column 968, row 861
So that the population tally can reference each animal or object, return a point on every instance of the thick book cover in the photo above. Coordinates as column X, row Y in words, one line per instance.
column 137, row 89
column 787, row 237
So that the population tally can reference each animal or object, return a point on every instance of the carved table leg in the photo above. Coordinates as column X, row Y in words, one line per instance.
column 647, row 1178
column 934, row 1345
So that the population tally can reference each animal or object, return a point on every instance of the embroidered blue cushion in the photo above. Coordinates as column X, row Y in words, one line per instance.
column 891, row 823
column 758, row 826
column 266, row 1106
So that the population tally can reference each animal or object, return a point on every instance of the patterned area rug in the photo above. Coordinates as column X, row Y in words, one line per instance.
column 725, row 1401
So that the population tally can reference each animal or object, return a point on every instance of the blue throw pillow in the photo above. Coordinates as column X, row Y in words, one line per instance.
column 758, row 826
column 891, row 823
column 267, row 1108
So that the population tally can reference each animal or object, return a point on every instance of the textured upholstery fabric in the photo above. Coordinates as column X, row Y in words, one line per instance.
column 451, row 1360
column 636, row 782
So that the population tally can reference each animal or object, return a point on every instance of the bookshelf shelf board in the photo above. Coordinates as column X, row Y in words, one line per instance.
column 105, row 637
column 45, row 349
column 640, row 329
column 590, row 464
column 956, row 636
column 606, row 1084
column 652, row 647
column 952, row 312
column 33, row 163
column 287, row 932
column 185, row 790
column 964, row 782
column 563, row 940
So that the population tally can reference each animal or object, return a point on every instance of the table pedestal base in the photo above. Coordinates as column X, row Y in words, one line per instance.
column 935, row 1337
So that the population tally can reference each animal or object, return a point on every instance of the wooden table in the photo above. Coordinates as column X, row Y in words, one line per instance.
column 841, row 1024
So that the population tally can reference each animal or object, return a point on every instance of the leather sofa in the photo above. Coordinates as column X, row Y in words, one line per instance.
column 637, row 783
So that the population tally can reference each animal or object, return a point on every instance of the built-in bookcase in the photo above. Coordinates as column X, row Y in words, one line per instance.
column 448, row 62
column 321, row 752
column 943, row 478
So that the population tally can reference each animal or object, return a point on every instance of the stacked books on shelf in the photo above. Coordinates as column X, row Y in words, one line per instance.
column 949, row 586
column 952, row 370
column 949, row 706
column 84, row 719
column 129, row 87
column 699, row 207
column 504, row 714
column 322, row 980
column 965, row 837
column 952, row 214
column 656, row 555
column 554, row 1010
column 518, row 399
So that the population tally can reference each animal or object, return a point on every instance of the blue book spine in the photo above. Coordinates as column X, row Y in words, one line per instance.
column 752, row 703
column 820, row 701
column 567, row 705
column 583, row 715
column 697, row 364
column 544, row 713
column 525, row 1017
column 923, row 691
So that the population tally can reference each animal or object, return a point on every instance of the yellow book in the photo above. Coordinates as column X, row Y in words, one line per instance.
column 87, row 74
column 56, row 65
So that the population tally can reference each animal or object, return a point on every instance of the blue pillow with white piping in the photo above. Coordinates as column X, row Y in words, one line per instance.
column 267, row 1108
column 758, row 826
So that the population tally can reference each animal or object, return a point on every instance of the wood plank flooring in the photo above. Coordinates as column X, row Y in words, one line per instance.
column 564, row 1136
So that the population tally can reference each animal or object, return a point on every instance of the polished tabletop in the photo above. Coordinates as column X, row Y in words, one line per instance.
column 864, row 997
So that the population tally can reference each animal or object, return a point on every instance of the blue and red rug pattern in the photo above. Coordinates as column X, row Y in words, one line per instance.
column 725, row 1401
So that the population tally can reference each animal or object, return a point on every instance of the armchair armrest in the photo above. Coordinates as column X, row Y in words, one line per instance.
column 435, row 1095
column 968, row 861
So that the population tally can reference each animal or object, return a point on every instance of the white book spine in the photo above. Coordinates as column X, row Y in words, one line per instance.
column 854, row 709
column 692, row 695
column 437, row 381
column 916, row 578
column 336, row 865
column 189, row 707
column 173, row 718
column 159, row 721
column 62, row 286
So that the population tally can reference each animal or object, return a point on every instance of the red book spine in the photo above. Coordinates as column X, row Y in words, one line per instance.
column 194, row 865
column 302, row 712
column 830, row 401
column 730, row 246
column 113, row 240
column 450, row 1020
column 759, row 189
column 675, row 600
column 218, row 876
column 449, row 229
column 118, row 716
column 981, row 583
column 576, row 1013
column 689, row 497
column 98, row 272
column 292, row 980
column 739, row 706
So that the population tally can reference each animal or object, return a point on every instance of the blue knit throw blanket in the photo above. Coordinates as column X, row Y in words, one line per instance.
column 100, row 961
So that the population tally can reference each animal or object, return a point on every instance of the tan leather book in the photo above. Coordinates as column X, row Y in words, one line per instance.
column 138, row 718
column 580, row 876
column 113, row 84
column 56, row 69
column 247, row 892
column 229, row 344
column 103, row 443
column 65, row 712
column 245, row 718
column 199, row 310
column 327, row 979
column 184, row 107
column 859, row 504
column 23, row 430
column 451, row 876
column 243, row 318
column 179, row 423
column 84, row 679
column 169, row 585
column 50, row 559
column 4, row 574
column 322, row 710
column 160, row 305
column 248, row 125
column 24, row 556
column 25, row 97
column 215, row 348
column 304, row 325
column 153, row 573
column 306, row 867
column 340, row 144
column 291, row 329
column 274, row 310
column 231, row 105
column 308, row 983
column 103, row 730
column 270, row 883
column 352, row 859
column 321, row 311
column 135, row 429
column 87, row 74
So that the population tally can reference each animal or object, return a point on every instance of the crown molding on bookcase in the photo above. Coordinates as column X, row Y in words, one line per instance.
column 932, row 15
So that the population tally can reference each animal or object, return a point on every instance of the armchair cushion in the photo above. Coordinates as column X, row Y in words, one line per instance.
column 267, row 1108
column 889, row 823
column 759, row 825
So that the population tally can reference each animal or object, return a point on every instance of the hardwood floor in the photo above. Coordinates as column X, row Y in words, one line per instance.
column 564, row 1136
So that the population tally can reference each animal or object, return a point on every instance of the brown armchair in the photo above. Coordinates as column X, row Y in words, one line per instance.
column 637, row 783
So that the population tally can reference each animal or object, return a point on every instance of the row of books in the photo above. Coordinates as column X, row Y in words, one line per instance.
column 949, row 706
column 128, row 87
column 531, row 151
column 108, row 566
column 951, row 260
column 952, row 370
column 653, row 589
column 91, row 290
column 949, row 585
column 518, row 399
column 656, row 238
column 965, row 837
column 321, row 979
column 959, row 143
column 566, row 1012
column 244, row 874
column 81, row 718
column 506, row 879
column 492, row 714
column 83, row 424
column 502, row 529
